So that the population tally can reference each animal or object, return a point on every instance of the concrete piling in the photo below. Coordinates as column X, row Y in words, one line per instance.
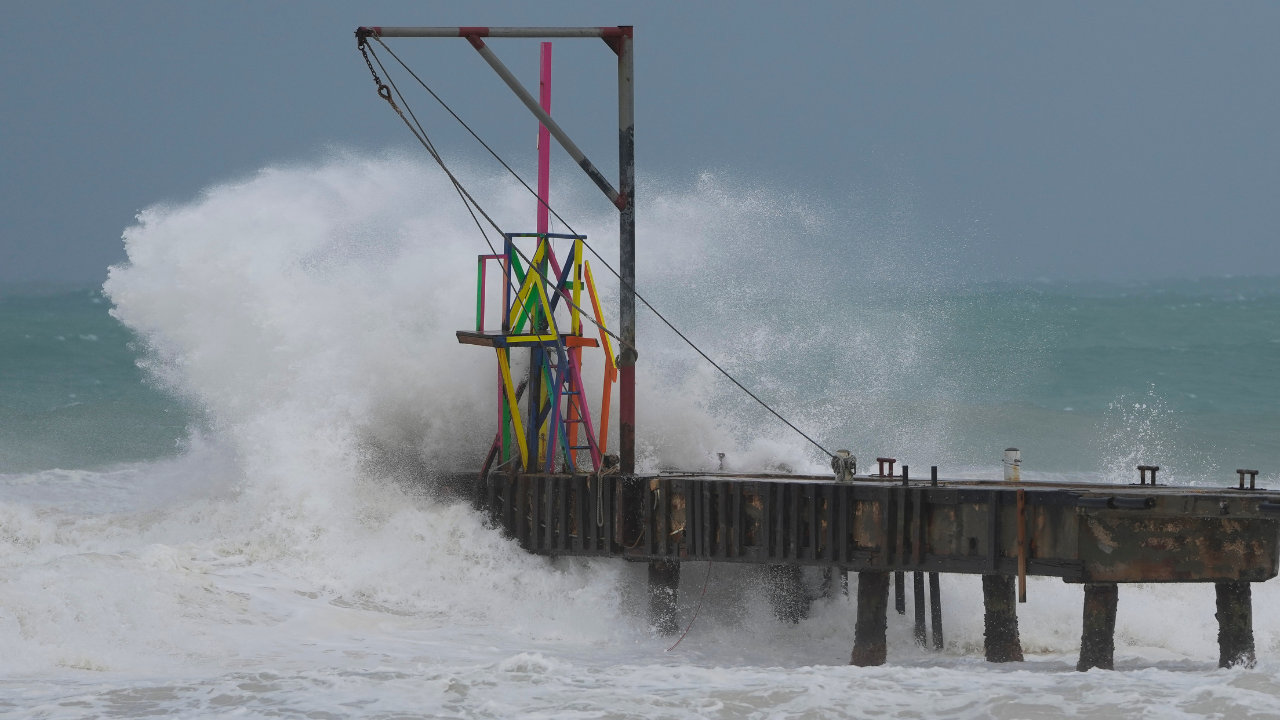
column 900, row 592
column 869, row 645
column 935, row 611
column 1001, row 642
column 918, row 591
column 1235, row 624
column 1097, row 641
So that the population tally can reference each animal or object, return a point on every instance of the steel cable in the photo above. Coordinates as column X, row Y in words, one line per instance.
column 604, row 262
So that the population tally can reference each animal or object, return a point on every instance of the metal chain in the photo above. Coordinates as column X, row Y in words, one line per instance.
column 384, row 92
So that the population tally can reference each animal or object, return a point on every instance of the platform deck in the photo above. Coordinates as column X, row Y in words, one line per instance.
column 1082, row 533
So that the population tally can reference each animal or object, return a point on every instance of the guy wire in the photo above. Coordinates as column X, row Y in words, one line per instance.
column 544, row 203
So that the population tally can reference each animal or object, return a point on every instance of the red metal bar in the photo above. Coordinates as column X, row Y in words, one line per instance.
column 497, row 32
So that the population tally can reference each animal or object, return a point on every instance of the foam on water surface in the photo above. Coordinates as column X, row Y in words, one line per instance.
column 294, row 560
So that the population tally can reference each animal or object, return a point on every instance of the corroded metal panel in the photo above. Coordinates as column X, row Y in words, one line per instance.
column 1116, row 546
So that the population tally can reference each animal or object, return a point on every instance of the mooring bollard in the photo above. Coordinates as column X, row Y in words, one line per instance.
column 1001, row 620
column 664, row 582
column 869, row 645
column 1012, row 464
column 787, row 595
column 1142, row 473
column 1098, row 639
column 1235, row 625
column 882, row 461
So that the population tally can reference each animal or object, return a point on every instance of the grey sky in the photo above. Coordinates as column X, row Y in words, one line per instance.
column 1083, row 140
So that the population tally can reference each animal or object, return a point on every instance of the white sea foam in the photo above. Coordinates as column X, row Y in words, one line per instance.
column 294, row 561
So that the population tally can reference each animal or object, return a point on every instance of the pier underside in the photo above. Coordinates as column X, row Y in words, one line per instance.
column 1096, row 535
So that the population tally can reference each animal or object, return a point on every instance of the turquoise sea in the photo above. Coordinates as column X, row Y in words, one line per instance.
column 1187, row 371
column 211, row 466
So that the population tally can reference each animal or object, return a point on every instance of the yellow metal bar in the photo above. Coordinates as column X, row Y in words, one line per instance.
column 532, row 279
column 515, row 408
column 546, row 308
column 576, row 327
column 604, row 336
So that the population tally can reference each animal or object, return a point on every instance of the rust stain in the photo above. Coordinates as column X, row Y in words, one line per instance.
column 677, row 513
column 1105, row 541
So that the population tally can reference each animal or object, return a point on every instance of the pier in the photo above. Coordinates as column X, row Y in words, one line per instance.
column 550, row 482
column 1100, row 536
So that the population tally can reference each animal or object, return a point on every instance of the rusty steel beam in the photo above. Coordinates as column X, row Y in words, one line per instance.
column 551, row 125
column 623, row 45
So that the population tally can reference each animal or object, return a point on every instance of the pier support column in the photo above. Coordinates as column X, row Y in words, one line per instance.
column 869, row 646
column 1235, row 624
column 1002, row 643
column 935, row 610
column 1098, row 641
column 921, row 633
column 664, row 581
column 787, row 594
column 900, row 592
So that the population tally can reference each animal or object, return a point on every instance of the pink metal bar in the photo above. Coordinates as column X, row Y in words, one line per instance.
column 484, row 266
column 544, row 138
column 584, row 412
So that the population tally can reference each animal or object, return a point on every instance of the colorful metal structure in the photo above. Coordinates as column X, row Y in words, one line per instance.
column 557, row 410
column 558, row 415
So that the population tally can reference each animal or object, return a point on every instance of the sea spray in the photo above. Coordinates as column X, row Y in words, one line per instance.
column 308, row 312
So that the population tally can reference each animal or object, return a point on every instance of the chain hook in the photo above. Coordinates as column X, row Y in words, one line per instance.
column 384, row 92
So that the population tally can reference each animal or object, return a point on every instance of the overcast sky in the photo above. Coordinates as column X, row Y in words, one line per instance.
column 1071, row 140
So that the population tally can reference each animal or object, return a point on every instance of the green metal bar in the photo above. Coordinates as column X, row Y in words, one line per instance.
column 530, row 307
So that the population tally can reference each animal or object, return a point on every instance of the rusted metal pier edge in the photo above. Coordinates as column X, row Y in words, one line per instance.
column 1096, row 535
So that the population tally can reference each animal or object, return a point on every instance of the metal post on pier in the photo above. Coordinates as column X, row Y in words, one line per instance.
column 627, row 251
